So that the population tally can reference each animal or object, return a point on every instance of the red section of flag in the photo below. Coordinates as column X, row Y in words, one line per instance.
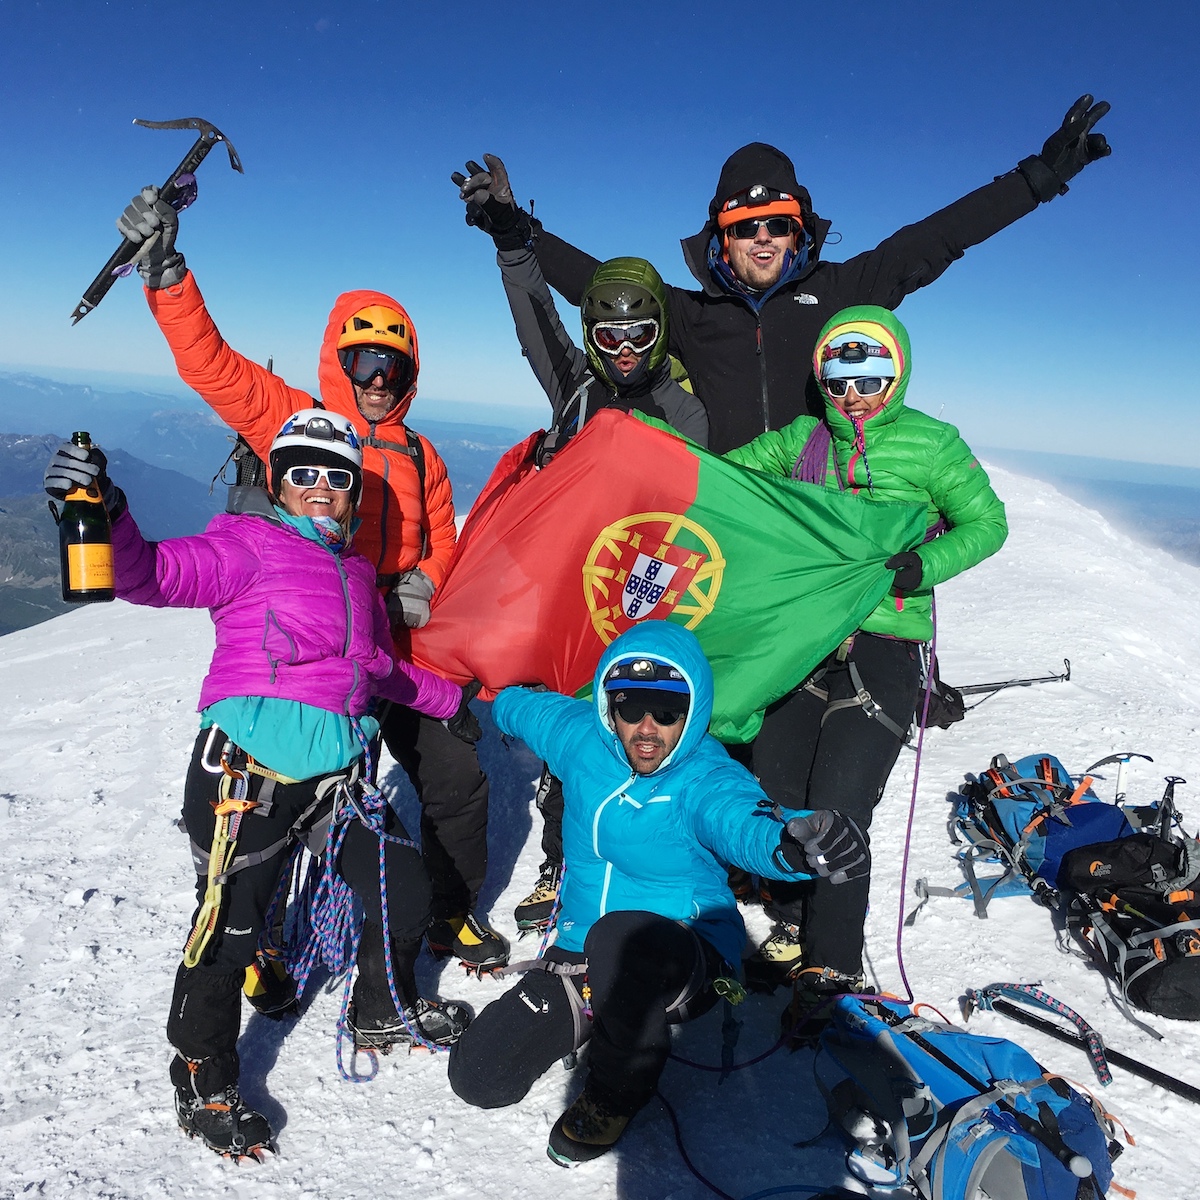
column 514, row 605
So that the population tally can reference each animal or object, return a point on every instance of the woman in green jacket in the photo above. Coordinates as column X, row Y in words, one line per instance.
column 832, row 742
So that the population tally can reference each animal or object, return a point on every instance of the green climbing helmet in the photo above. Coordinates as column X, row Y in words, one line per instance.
column 625, row 303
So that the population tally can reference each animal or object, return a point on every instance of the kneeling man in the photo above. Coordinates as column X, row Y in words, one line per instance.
column 655, row 812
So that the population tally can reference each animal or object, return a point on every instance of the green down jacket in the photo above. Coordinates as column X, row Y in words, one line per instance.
column 896, row 454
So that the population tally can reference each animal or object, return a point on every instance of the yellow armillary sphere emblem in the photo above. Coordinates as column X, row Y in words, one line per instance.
column 651, row 563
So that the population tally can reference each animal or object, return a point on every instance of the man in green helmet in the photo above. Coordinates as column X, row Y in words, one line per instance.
column 624, row 364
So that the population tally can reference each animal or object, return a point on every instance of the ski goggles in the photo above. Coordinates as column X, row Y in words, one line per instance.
column 775, row 226
column 336, row 478
column 864, row 385
column 363, row 363
column 664, row 712
column 611, row 337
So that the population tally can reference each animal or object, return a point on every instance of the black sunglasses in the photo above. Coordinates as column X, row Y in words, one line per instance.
column 632, row 712
column 776, row 227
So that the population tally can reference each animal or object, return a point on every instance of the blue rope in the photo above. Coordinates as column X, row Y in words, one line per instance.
column 553, row 918
column 327, row 926
column 374, row 808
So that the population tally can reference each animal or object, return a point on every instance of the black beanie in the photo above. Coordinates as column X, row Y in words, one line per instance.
column 758, row 163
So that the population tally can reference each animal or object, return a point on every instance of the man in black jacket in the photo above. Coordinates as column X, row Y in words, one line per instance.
column 746, row 338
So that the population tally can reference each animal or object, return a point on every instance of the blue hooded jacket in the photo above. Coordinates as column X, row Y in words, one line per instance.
column 659, row 842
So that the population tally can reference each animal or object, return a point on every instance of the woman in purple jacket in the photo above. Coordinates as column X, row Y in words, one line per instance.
column 302, row 644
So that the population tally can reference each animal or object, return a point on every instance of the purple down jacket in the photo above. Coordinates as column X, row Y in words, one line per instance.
column 293, row 620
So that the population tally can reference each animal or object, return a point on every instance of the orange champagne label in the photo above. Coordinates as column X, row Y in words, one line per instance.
column 89, row 495
column 90, row 566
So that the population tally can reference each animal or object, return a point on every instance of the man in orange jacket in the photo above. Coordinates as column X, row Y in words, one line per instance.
column 367, row 373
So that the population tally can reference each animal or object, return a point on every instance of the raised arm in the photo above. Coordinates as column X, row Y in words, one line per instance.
column 244, row 395
column 201, row 571
column 567, row 270
column 560, row 366
column 917, row 254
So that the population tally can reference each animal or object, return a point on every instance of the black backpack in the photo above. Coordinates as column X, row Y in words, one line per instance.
column 1134, row 904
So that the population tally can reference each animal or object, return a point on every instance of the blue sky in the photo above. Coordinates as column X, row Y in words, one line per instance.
column 1061, row 333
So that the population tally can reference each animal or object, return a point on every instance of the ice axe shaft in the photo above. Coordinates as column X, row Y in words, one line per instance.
column 976, row 689
column 1186, row 1090
column 170, row 191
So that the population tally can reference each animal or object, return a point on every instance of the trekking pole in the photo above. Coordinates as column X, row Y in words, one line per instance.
column 977, row 689
column 1186, row 1090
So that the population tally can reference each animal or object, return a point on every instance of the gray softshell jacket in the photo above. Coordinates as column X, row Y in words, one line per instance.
column 563, row 370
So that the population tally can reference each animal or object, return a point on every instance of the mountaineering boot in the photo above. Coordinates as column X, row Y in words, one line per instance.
column 778, row 959
column 371, row 1016
column 741, row 884
column 220, row 1118
column 438, row 1021
column 479, row 947
column 534, row 912
column 270, row 988
column 810, row 1008
column 589, row 1128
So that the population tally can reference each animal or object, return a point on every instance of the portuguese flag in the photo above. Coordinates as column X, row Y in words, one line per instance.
column 630, row 522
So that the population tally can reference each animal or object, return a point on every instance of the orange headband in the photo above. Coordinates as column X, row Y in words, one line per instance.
column 746, row 212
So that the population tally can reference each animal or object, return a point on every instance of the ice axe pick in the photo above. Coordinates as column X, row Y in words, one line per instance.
column 179, row 191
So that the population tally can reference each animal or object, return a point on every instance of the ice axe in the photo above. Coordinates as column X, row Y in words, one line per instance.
column 1122, row 760
column 179, row 191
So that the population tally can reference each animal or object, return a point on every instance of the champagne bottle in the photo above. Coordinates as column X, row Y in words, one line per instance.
column 85, row 542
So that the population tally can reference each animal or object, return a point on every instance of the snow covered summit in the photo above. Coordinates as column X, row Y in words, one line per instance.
column 98, row 890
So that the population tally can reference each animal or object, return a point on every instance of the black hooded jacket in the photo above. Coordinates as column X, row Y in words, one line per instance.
column 752, row 369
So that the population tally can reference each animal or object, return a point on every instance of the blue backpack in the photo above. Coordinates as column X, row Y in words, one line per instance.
column 955, row 1115
column 1029, row 815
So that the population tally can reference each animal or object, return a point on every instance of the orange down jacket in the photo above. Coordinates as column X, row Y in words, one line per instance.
column 403, row 525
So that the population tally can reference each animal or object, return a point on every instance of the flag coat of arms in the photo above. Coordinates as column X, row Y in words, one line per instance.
column 630, row 522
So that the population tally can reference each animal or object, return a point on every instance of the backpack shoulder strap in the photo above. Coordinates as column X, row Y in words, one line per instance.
column 418, row 454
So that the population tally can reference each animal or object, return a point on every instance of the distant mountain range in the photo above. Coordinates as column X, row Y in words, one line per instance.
column 185, row 436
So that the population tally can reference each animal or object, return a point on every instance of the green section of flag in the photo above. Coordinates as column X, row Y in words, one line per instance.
column 803, row 567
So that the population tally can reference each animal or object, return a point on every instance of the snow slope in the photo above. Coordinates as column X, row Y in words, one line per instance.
column 97, row 892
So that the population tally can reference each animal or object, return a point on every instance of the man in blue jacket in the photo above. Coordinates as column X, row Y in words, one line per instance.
column 655, row 811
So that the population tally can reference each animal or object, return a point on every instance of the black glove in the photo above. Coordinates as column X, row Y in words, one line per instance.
column 490, row 204
column 826, row 843
column 908, row 568
column 463, row 724
column 75, row 466
column 1067, row 150
column 148, row 219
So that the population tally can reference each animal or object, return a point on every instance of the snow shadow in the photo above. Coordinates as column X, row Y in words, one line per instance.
column 512, row 772
column 741, row 1134
column 261, row 1040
